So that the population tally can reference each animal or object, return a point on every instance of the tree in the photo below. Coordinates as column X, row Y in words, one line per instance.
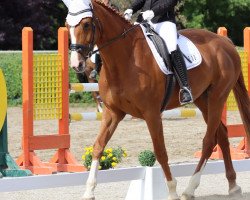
column 210, row 14
column 43, row 16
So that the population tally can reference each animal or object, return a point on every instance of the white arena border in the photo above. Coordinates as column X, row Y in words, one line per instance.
column 146, row 182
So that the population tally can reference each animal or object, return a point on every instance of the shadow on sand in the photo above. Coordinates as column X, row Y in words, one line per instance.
column 245, row 196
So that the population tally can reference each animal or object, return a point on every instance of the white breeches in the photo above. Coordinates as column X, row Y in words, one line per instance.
column 92, row 57
column 167, row 30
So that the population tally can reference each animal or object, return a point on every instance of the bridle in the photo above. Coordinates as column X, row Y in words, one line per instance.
column 80, row 48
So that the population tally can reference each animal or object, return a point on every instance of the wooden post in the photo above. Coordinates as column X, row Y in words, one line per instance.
column 28, row 159
column 63, row 160
column 27, row 61
column 247, row 49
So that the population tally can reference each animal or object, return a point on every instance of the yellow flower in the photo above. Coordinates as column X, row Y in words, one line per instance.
column 109, row 150
column 99, row 167
column 125, row 154
column 83, row 157
column 110, row 155
column 90, row 148
column 114, row 159
column 87, row 153
column 85, row 148
column 113, row 164
column 103, row 158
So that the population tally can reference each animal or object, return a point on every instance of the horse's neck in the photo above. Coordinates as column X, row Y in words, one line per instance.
column 110, row 27
column 111, row 24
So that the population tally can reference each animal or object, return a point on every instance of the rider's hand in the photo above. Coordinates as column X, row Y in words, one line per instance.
column 128, row 14
column 148, row 15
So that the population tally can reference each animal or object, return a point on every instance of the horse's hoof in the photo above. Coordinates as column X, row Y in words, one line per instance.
column 173, row 198
column 92, row 198
column 236, row 191
column 88, row 197
column 187, row 197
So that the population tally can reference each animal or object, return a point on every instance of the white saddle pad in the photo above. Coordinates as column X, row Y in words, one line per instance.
column 187, row 47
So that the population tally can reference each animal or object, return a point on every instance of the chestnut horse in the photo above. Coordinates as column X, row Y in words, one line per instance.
column 131, row 82
column 84, row 77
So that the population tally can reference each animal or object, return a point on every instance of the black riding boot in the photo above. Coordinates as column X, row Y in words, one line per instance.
column 180, row 70
column 98, row 63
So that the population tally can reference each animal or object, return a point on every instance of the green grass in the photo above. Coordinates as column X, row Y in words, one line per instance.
column 11, row 65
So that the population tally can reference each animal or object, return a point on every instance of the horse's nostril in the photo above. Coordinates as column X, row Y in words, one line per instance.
column 81, row 68
column 75, row 69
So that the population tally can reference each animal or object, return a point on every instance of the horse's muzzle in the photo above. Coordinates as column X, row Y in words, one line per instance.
column 80, row 68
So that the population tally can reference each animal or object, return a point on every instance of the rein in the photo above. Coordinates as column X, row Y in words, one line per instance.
column 122, row 35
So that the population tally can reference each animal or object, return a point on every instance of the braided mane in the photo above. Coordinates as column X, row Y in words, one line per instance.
column 112, row 10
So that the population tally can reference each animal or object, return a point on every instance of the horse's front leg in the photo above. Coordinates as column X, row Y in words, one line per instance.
column 154, row 123
column 109, row 123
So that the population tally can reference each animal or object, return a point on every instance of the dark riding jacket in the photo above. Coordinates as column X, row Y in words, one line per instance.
column 163, row 9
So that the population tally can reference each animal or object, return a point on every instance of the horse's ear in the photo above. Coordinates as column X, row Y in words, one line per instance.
column 66, row 2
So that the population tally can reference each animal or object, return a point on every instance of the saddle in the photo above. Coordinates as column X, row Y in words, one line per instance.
column 162, row 49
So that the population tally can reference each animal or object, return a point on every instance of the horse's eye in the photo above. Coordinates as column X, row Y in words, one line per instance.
column 86, row 26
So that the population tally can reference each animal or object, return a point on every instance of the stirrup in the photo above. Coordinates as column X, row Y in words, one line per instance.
column 181, row 92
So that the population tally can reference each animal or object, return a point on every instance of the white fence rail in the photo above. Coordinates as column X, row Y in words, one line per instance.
column 146, row 182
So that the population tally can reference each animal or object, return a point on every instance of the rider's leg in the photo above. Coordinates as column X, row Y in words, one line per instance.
column 168, row 31
column 93, row 74
column 181, row 74
column 98, row 63
column 95, row 58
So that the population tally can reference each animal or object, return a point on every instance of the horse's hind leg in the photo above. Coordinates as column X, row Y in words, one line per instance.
column 194, row 182
column 154, row 123
column 109, row 123
column 222, row 140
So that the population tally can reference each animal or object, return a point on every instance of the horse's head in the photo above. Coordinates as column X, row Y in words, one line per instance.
column 80, row 24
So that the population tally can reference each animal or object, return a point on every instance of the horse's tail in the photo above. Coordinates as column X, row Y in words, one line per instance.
column 243, row 101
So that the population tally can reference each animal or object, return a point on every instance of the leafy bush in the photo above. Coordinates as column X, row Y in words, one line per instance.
column 147, row 158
